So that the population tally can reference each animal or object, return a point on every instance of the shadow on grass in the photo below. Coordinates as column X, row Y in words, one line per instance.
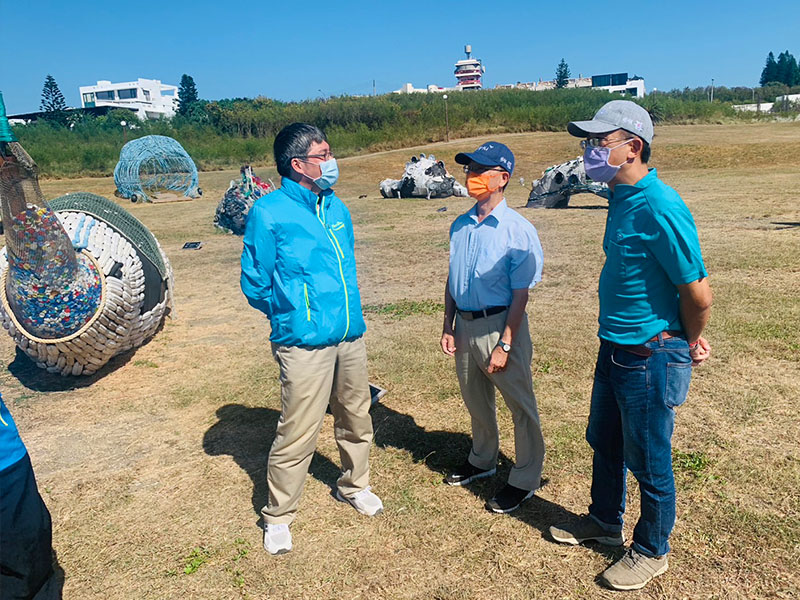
column 246, row 433
column 442, row 451
column 39, row 380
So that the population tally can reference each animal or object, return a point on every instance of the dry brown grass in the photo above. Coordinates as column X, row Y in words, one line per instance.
column 160, row 462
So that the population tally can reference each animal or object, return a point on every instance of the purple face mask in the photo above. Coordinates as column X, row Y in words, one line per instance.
column 595, row 162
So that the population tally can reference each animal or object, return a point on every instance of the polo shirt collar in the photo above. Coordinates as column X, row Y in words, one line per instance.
column 623, row 191
column 498, row 212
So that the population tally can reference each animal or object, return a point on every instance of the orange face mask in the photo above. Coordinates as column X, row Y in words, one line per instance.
column 482, row 186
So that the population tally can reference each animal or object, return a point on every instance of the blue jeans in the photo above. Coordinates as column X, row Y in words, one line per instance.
column 630, row 427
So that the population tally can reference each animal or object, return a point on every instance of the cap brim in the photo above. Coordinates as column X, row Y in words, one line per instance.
column 464, row 158
column 586, row 128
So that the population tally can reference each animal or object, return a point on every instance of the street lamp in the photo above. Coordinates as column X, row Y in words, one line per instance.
column 712, row 89
column 124, row 124
column 446, row 119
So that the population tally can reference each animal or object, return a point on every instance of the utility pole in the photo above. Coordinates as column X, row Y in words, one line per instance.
column 446, row 119
column 373, row 88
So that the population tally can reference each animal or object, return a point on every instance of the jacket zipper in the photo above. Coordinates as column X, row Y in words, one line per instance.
column 308, row 305
column 337, row 250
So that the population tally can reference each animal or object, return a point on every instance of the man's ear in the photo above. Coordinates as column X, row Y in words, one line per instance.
column 635, row 148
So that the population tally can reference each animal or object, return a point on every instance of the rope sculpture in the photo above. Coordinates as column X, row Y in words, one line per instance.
column 554, row 188
column 232, row 210
column 153, row 163
column 424, row 177
column 82, row 279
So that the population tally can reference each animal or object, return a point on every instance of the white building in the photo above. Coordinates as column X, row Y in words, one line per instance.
column 410, row 89
column 469, row 71
column 150, row 98
column 616, row 82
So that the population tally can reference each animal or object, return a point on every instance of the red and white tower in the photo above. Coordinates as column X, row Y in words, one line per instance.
column 469, row 71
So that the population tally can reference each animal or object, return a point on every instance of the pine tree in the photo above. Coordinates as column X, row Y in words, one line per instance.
column 770, row 71
column 187, row 94
column 52, row 98
column 562, row 74
column 786, row 70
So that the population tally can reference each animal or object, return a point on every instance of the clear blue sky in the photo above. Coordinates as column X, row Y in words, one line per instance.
column 306, row 49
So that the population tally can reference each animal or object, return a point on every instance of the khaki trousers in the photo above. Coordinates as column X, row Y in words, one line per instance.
column 475, row 341
column 310, row 380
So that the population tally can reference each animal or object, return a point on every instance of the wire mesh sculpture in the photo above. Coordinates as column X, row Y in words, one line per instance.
column 154, row 163
column 232, row 210
column 81, row 279
column 558, row 183
column 424, row 177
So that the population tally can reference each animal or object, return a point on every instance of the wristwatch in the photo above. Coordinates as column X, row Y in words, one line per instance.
column 503, row 346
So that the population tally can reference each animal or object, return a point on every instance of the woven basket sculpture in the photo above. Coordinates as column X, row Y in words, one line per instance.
column 81, row 279
column 154, row 163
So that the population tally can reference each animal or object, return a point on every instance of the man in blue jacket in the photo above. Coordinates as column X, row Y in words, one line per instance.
column 299, row 268
column 26, row 568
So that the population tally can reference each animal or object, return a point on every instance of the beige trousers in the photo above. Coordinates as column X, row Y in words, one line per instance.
column 475, row 341
column 310, row 379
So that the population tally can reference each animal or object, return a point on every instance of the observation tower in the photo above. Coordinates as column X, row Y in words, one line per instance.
column 468, row 71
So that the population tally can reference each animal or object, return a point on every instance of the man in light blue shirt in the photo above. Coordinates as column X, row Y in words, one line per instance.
column 495, row 258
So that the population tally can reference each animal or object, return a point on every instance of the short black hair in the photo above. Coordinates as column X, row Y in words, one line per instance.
column 645, row 152
column 292, row 141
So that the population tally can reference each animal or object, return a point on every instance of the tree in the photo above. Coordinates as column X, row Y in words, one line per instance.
column 770, row 71
column 187, row 94
column 786, row 71
column 52, row 98
column 562, row 74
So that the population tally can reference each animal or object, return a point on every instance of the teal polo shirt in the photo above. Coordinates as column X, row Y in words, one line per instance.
column 12, row 449
column 651, row 246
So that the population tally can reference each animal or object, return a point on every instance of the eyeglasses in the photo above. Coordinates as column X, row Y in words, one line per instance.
column 481, row 169
column 595, row 142
column 327, row 156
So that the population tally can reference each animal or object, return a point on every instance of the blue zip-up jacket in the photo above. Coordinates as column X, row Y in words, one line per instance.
column 299, row 267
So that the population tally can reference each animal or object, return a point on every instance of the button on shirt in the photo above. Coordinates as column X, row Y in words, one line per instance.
column 493, row 257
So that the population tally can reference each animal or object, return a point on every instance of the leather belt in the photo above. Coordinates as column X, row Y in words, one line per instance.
column 644, row 351
column 471, row 315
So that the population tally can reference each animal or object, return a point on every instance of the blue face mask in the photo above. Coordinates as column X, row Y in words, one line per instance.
column 329, row 174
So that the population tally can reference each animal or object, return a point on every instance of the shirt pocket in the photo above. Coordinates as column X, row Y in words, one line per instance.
column 625, row 260
column 491, row 265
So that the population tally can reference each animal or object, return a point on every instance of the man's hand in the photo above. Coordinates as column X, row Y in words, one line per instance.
column 700, row 352
column 498, row 360
column 448, row 343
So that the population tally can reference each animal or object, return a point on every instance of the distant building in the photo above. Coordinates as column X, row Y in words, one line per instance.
column 410, row 89
column 616, row 82
column 150, row 98
column 469, row 71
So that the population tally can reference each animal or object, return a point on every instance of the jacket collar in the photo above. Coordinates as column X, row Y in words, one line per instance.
column 300, row 194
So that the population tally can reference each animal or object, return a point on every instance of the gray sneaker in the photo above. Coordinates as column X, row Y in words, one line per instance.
column 585, row 529
column 633, row 571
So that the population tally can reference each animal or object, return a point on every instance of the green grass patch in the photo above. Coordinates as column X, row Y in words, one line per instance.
column 405, row 308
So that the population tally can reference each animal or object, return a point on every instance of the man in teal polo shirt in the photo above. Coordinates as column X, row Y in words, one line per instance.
column 495, row 259
column 654, row 303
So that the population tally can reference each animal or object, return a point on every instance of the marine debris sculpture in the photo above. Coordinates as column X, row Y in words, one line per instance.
column 424, row 177
column 81, row 279
column 558, row 183
column 232, row 210
column 152, row 164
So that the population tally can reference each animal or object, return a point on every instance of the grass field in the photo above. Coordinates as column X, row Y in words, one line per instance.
column 154, row 471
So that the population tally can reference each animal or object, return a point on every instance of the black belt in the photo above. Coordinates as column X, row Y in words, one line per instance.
column 644, row 351
column 470, row 315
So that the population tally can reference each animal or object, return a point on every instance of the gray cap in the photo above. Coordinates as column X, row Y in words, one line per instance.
column 617, row 114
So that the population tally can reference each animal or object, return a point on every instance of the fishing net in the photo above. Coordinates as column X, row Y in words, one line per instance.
column 155, row 163
column 52, row 290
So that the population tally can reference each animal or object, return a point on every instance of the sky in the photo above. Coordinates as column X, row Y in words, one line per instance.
column 311, row 49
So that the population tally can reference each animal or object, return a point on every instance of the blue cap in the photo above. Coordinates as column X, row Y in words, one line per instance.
column 490, row 154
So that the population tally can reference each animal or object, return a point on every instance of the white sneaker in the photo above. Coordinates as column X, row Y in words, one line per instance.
column 277, row 538
column 364, row 502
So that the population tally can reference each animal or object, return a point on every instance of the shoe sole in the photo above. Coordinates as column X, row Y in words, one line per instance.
column 469, row 480
column 605, row 540
column 503, row 511
column 341, row 498
column 635, row 586
column 278, row 552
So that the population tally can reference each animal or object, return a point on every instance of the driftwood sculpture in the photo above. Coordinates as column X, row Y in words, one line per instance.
column 81, row 279
column 424, row 177
column 554, row 188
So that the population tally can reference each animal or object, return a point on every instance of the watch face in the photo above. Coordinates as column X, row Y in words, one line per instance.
column 504, row 346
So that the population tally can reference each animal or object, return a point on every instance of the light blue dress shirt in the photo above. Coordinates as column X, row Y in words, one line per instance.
column 491, row 258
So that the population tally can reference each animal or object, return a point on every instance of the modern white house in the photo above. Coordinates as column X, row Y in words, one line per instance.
column 150, row 98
